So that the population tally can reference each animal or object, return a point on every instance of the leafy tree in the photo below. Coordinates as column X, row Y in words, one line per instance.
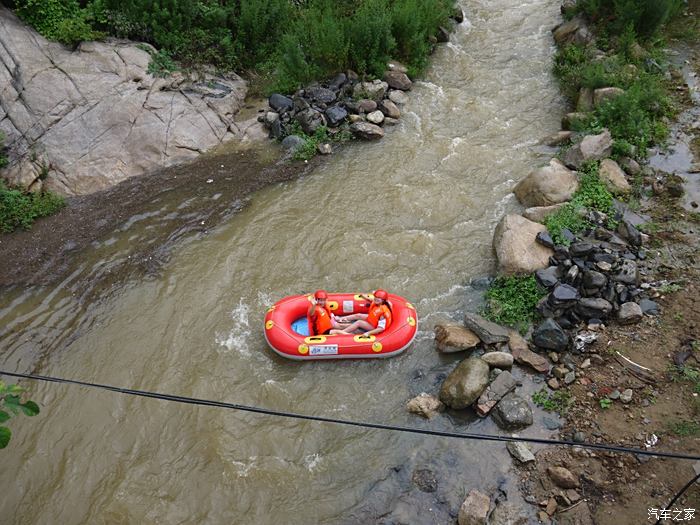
column 11, row 405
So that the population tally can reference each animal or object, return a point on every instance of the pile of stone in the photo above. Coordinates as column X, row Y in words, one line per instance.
column 346, row 101
column 594, row 279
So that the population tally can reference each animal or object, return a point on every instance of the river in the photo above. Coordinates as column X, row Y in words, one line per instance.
column 413, row 213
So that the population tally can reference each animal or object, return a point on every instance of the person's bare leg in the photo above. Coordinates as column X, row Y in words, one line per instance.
column 358, row 325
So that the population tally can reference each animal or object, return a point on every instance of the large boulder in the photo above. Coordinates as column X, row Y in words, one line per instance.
column 398, row 80
column 91, row 117
column 310, row 120
column 540, row 213
column 489, row 332
column 550, row 336
column 592, row 147
column 551, row 184
column 515, row 246
column 613, row 177
column 574, row 31
column 465, row 383
column 374, row 90
column 454, row 338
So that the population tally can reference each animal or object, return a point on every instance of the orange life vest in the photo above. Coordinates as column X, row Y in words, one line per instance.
column 376, row 312
column 320, row 319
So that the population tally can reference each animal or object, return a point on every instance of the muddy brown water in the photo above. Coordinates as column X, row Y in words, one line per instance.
column 413, row 213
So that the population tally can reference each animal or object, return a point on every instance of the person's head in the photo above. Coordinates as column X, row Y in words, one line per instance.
column 321, row 296
column 381, row 295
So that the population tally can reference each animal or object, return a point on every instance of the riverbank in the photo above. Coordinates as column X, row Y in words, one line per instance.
column 199, row 196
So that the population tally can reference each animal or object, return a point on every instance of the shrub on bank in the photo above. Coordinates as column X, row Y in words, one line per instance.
column 19, row 209
column 511, row 301
column 645, row 17
column 291, row 42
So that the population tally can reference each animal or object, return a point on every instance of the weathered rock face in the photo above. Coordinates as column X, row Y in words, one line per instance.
column 540, row 213
column 551, row 184
column 516, row 248
column 592, row 147
column 489, row 332
column 512, row 413
column 465, row 383
column 613, row 177
column 502, row 385
column 474, row 509
column 93, row 117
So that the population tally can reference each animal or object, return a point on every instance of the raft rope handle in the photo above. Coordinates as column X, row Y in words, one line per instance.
column 363, row 424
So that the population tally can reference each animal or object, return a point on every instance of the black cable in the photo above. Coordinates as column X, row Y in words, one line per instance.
column 680, row 493
column 347, row 422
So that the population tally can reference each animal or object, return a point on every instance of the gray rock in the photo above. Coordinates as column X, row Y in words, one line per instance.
column 591, row 307
column 649, row 307
column 324, row 149
column 366, row 131
column 628, row 273
column 292, row 142
column 376, row 117
column 425, row 405
column 550, row 336
column 570, row 120
column 629, row 232
column 540, row 213
column 520, row 451
column 572, row 31
column 592, row 147
column 337, row 81
column 579, row 437
column 366, row 105
column 557, row 139
column 613, row 177
column 563, row 294
column 502, row 385
column 569, row 378
column 594, row 280
column 630, row 165
column 512, row 412
column 581, row 248
column 626, row 395
column 524, row 356
column 465, row 383
column 629, row 313
column 548, row 185
column 335, row 115
column 545, row 239
column 398, row 80
column 320, row 94
column 374, row 90
column 489, row 332
column 498, row 359
column 550, row 423
column 515, row 246
column 547, row 277
column 451, row 338
column 280, row 103
column 398, row 97
column 425, row 480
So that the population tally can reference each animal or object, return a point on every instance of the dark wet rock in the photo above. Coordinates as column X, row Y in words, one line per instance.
column 490, row 333
column 335, row 115
column 465, row 383
column 567, row 235
column 563, row 294
column 630, row 165
column 594, row 280
column 451, row 338
column 629, row 313
column 425, row 480
column 276, row 129
column 545, row 239
column 366, row 131
column 502, row 385
column 310, row 120
column 572, row 31
column 292, row 142
column 319, row 94
column 649, row 307
column 443, row 35
column 366, row 105
column 563, row 477
column 589, row 307
column 627, row 273
column 337, row 81
column 512, row 413
column 579, row 249
column 550, row 336
column 280, row 103
column 571, row 276
column 628, row 232
column 457, row 14
column 547, row 277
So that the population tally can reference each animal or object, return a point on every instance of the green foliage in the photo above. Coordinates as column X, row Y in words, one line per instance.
column 512, row 300
column 605, row 403
column 19, row 209
column 370, row 38
column 644, row 17
column 591, row 195
column 684, row 428
column 558, row 401
column 686, row 373
column 12, row 405
column 161, row 64
column 61, row 20
column 309, row 149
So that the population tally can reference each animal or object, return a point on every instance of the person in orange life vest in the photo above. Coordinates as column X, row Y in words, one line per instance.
column 323, row 322
column 375, row 321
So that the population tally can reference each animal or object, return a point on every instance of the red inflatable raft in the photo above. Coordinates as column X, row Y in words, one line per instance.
column 286, row 327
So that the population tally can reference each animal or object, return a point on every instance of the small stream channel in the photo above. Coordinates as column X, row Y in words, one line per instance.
column 413, row 213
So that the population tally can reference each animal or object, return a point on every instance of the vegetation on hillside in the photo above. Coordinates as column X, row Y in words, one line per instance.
column 20, row 209
column 288, row 42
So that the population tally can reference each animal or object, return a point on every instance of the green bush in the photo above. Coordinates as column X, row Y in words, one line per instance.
column 61, row 20
column 161, row 64
column 645, row 17
column 512, row 300
column 19, row 209
column 3, row 157
column 369, row 37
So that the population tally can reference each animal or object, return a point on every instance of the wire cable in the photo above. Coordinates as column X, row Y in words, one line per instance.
column 348, row 422
column 678, row 495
